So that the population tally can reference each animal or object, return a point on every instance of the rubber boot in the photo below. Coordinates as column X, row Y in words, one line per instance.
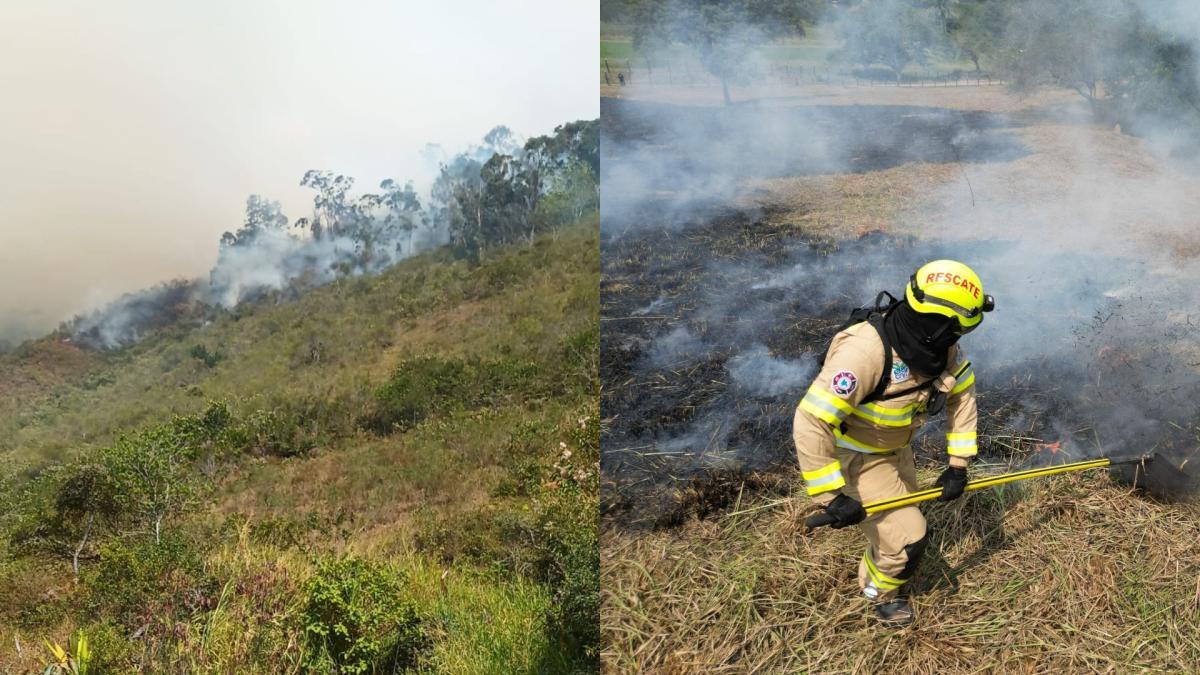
column 895, row 614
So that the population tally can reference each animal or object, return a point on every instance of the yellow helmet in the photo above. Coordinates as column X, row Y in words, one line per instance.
column 952, row 289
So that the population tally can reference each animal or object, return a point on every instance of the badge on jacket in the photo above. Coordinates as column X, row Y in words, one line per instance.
column 844, row 383
column 900, row 371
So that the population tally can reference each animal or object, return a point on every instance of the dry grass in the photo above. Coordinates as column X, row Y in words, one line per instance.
column 848, row 205
column 1063, row 575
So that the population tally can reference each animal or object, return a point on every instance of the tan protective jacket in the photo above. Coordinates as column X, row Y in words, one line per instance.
column 832, row 413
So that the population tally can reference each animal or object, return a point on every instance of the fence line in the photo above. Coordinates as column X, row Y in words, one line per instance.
column 623, row 72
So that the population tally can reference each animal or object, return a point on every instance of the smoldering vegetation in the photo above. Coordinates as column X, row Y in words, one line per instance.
column 504, row 190
column 715, row 318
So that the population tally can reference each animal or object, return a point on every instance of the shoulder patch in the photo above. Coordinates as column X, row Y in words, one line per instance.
column 844, row 383
column 900, row 372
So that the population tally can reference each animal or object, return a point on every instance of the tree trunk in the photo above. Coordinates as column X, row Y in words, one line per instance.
column 158, row 530
column 82, row 542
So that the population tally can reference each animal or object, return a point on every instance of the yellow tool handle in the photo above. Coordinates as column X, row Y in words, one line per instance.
column 935, row 492
column 911, row 498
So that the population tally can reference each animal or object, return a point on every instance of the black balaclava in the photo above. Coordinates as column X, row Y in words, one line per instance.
column 910, row 333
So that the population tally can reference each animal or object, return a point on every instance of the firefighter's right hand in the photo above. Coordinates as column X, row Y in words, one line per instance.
column 845, row 511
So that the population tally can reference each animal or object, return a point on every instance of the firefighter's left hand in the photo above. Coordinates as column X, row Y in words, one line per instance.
column 952, row 481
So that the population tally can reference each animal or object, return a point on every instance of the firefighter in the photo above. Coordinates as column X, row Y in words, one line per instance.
column 882, row 378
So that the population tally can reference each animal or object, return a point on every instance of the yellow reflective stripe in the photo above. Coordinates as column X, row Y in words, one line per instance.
column 824, row 479
column 964, row 383
column 833, row 481
column 961, row 443
column 819, row 413
column 879, row 578
column 844, row 441
column 963, row 369
column 821, row 394
column 825, row 406
column 887, row 417
column 832, row 467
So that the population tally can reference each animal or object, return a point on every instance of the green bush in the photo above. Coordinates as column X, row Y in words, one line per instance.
column 417, row 387
column 556, row 542
column 295, row 425
column 204, row 356
column 581, row 361
column 111, row 650
column 356, row 619
column 570, row 547
column 425, row 385
column 567, row 538
column 141, row 581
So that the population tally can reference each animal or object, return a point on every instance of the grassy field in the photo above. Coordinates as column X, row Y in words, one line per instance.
column 387, row 473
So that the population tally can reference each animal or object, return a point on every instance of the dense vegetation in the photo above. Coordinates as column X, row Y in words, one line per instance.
column 389, row 472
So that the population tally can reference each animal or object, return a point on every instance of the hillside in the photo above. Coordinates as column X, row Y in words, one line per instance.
column 391, row 471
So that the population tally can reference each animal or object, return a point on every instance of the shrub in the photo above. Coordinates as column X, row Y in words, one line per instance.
column 567, row 538
column 571, row 566
column 203, row 355
column 355, row 619
column 417, row 387
column 581, row 361
column 139, row 581
column 424, row 385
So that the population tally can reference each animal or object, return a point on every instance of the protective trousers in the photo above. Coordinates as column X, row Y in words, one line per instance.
column 896, row 539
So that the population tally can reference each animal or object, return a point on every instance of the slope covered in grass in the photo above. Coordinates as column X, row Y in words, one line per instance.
column 389, row 472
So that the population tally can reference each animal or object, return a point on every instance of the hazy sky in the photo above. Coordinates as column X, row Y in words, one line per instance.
column 132, row 131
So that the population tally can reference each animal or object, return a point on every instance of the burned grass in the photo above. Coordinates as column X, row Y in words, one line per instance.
column 710, row 334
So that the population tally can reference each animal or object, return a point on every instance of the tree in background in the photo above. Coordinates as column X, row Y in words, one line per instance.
column 149, row 474
column 1073, row 43
column 724, row 34
column 66, row 509
column 975, row 27
column 262, row 215
column 403, row 208
column 460, row 188
column 891, row 33
column 1109, row 51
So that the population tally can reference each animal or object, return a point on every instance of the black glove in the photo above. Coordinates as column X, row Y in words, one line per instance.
column 847, row 511
column 952, row 481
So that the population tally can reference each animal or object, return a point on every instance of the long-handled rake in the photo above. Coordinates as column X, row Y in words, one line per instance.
column 821, row 519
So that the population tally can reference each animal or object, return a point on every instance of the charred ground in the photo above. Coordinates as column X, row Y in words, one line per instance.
column 714, row 318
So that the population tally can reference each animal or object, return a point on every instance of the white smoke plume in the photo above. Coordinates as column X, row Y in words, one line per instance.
column 273, row 258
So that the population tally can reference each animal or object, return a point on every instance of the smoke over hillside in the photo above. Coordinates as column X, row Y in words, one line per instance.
column 502, row 190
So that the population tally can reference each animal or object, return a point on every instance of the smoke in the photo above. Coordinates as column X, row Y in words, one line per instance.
column 268, row 255
column 675, row 161
column 1084, row 235
column 132, row 315
column 757, row 373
